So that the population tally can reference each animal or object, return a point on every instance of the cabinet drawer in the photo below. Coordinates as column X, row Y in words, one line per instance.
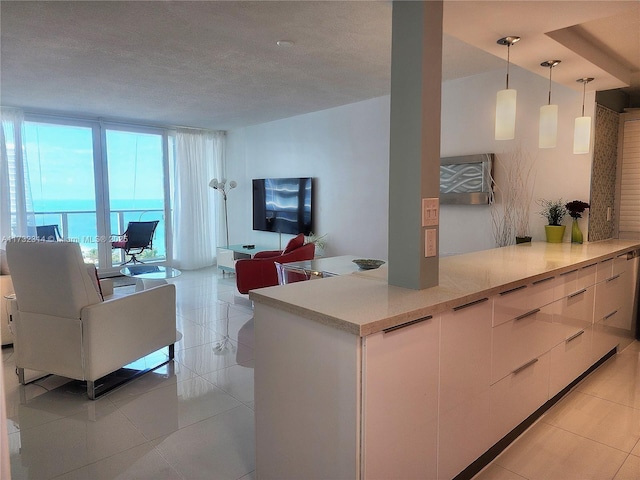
column 513, row 303
column 603, row 339
column 621, row 264
column 565, row 284
column 604, row 269
column 519, row 340
column 570, row 359
column 518, row 395
column 609, row 295
column 574, row 310
column 586, row 276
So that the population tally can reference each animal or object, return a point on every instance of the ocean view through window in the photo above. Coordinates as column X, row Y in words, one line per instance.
column 91, row 180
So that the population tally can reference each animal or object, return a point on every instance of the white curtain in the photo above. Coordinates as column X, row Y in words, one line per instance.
column 16, row 211
column 198, row 158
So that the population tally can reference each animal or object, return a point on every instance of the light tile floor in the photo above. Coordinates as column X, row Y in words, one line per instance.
column 592, row 433
column 193, row 419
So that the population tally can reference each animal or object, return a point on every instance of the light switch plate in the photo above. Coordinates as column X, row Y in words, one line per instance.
column 430, row 207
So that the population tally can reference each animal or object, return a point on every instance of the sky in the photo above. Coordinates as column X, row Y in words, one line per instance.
column 61, row 165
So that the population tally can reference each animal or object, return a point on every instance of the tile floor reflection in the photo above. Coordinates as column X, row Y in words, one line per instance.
column 189, row 419
column 193, row 418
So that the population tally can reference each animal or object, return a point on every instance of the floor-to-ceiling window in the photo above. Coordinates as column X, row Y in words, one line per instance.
column 91, row 179
column 135, row 165
column 60, row 177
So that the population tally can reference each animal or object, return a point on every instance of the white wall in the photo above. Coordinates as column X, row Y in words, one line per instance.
column 467, row 127
column 346, row 149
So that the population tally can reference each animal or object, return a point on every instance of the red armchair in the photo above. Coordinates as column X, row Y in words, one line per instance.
column 260, row 271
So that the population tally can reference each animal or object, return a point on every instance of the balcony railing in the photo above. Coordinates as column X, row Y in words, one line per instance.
column 81, row 226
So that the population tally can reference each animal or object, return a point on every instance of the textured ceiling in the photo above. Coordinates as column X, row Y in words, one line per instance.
column 215, row 64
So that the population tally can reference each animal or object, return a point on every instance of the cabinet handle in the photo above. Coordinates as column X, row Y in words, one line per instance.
column 606, row 260
column 506, row 292
column 470, row 304
column 543, row 280
column 407, row 324
column 611, row 279
column 574, row 336
column 569, row 272
column 526, row 365
column 589, row 266
column 579, row 292
column 528, row 314
column 608, row 316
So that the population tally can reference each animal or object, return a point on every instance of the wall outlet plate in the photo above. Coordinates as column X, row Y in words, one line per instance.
column 430, row 242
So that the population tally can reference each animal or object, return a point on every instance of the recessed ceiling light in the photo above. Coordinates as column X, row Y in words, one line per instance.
column 284, row 43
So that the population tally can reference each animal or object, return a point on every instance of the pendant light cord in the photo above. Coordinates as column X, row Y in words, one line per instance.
column 550, row 69
column 508, row 63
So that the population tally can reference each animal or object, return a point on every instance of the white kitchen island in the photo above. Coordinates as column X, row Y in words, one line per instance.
column 355, row 378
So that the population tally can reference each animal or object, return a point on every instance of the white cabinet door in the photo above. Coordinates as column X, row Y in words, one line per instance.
column 307, row 408
column 465, row 375
column 400, row 398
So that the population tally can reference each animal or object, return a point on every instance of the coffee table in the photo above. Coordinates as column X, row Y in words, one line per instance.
column 148, row 276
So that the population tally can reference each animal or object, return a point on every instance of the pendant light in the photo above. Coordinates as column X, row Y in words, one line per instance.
column 506, row 101
column 548, row 115
column 582, row 128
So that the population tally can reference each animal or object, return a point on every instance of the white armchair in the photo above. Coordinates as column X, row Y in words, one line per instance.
column 64, row 327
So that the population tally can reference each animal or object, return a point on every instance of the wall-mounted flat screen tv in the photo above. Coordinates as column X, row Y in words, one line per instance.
column 283, row 205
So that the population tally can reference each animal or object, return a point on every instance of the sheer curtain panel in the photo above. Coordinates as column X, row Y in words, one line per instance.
column 16, row 212
column 198, row 157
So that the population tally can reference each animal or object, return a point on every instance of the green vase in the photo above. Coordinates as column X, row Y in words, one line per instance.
column 554, row 233
column 576, row 233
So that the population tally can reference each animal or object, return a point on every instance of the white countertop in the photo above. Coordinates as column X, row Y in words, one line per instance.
column 363, row 303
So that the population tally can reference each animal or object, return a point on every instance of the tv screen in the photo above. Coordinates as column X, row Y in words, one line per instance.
column 282, row 205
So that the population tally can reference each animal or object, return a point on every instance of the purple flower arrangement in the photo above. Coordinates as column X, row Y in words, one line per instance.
column 576, row 208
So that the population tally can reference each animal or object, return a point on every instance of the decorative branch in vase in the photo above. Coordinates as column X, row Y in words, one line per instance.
column 510, row 211
column 576, row 208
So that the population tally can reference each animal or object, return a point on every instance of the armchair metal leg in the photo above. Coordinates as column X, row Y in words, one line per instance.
column 21, row 375
column 91, row 390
